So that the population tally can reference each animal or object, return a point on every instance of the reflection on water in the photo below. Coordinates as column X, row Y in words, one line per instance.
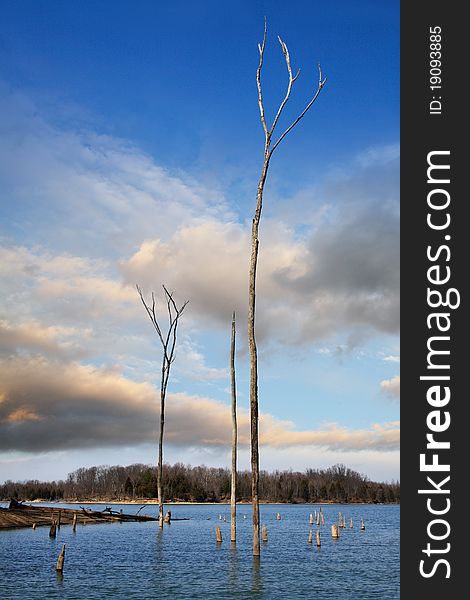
column 183, row 560
column 256, row 578
column 233, row 567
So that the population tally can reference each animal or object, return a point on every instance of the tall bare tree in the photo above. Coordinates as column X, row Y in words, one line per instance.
column 270, row 146
column 233, row 490
column 168, row 342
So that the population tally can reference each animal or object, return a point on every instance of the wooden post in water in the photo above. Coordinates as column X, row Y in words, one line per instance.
column 310, row 537
column 340, row 522
column 278, row 516
column 60, row 561
column 318, row 519
column 34, row 525
column 318, row 539
column 74, row 524
column 311, row 519
column 334, row 531
column 350, row 523
column 218, row 534
column 362, row 525
column 322, row 519
column 53, row 530
column 264, row 533
column 168, row 516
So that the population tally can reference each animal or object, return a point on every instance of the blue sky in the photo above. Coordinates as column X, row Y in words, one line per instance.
column 130, row 148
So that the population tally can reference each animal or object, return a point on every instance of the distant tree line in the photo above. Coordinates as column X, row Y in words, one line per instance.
column 205, row 484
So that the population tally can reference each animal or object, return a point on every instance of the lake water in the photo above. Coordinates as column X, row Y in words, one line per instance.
column 183, row 561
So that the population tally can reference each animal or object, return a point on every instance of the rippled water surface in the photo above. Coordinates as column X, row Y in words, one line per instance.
column 138, row 560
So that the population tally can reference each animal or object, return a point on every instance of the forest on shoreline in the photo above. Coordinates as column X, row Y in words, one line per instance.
column 204, row 484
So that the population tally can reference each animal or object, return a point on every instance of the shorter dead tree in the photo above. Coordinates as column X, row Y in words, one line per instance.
column 168, row 342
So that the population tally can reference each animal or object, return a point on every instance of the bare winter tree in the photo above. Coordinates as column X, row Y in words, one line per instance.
column 233, row 495
column 270, row 146
column 168, row 342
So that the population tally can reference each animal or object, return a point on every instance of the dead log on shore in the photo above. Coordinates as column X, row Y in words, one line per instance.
column 25, row 515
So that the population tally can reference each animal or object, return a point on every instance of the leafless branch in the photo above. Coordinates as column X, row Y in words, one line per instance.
column 285, row 51
column 151, row 313
column 258, row 81
column 321, row 83
column 174, row 313
column 292, row 78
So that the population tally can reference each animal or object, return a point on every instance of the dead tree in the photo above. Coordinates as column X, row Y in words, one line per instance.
column 269, row 147
column 168, row 342
column 233, row 495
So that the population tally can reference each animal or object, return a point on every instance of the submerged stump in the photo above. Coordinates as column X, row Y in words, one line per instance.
column 264, row 533
column 53, row 530
column 60, row 561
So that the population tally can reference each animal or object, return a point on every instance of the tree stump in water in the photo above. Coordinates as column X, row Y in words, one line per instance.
column 318, row 539
column 310, row 537
column 74, row 524
column 311, row 519
column 334, row 531
column 264, row 533
column 278, row 516
column 60, row 561
column 350, row 523
column 168, row 517
column 362, row 525
column 218, row 534
column 53, row 530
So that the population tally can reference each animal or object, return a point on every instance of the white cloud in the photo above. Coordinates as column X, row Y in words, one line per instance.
column 392, row 358
column 391, row 387
column 99, row 195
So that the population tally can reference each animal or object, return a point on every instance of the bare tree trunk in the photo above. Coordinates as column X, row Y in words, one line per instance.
column 160, row 447
column 233, row 495
column 268, row 151
column 254, row 357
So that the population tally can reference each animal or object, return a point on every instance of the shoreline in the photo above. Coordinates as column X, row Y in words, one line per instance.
column 153, row 502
